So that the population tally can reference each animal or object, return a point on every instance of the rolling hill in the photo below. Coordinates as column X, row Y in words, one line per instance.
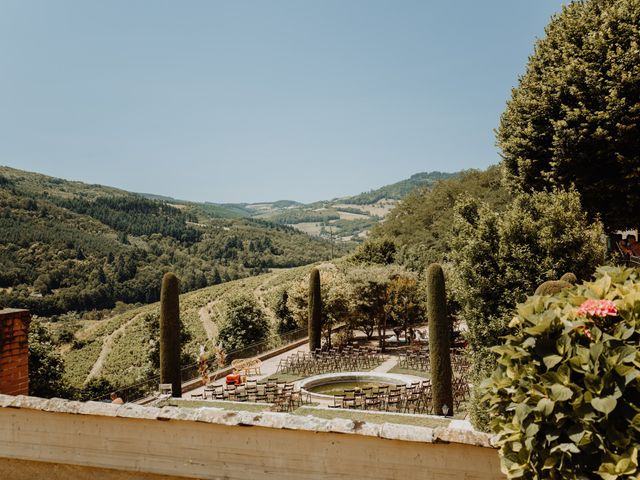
column 73, row 246
column 346, row 219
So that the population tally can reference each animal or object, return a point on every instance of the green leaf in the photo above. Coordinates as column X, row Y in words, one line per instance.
column 560, row 393
column 565, row 447
column 601, row 286
column 593, row 383
column 635, row 423
column 595, row 351
column 532, row 430
column 627, row 354
column 545, row 406
column 605, row 405
column 550, row 462
column 576, row 435
column 551, row 361
column 522, row 411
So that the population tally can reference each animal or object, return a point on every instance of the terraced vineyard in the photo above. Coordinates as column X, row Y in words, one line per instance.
column 117, row 348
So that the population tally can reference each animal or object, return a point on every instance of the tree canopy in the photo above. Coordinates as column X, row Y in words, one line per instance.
column 420, row 226
column 497, row 260
column 574, row 118
column 244, row 323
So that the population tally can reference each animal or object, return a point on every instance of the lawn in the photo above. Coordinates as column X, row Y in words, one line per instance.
column 410, row 371
column 284, row 377
column 371, row 417
column 235, row 406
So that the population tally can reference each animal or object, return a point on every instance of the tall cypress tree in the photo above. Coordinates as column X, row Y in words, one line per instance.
column 170, row 333
column 439, row 341
column 315, row 310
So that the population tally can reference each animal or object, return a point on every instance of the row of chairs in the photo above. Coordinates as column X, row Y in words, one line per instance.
column 413, row 398
column 420, row 360
column 414, row 360
column 401, row 398
column 350, row 358
column 282, row 395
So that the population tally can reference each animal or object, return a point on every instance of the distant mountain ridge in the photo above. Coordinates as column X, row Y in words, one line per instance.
column 399, row 190
column 345, row 218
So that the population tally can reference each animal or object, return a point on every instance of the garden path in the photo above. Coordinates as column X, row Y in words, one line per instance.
column 210, row 326
column 107, row 345
column 387, row 365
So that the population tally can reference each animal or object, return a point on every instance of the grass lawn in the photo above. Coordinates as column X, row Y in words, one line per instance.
column 359, row 415
column 371, row 417
column 283, row 377
column 410, row 371
column 237, row 406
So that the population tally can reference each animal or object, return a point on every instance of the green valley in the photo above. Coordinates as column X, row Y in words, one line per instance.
column 69, row 246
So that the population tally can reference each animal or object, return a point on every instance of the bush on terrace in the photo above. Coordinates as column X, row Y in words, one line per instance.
column 565, row 397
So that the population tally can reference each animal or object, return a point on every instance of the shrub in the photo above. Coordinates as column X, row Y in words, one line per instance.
column 570, row 121
column 565, row 396
column 551, row 287
column 46, row 366
column 499, row 259
column 569, row 277
column 341, row 339
column 285, row 321
column 315, row 310
column 375, row 252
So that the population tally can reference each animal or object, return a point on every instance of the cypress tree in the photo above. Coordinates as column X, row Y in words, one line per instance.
column 315, row 310
column 439, row 341
column 170, row 333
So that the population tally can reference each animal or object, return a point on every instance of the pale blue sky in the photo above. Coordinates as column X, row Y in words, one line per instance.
column 230, row 101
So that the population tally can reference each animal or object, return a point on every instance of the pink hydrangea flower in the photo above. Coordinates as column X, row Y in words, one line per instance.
column 598, row 308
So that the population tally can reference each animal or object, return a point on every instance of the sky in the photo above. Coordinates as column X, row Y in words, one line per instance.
column 247, row 101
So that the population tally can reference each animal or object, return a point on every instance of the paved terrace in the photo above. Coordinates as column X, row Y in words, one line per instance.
column 269, row 369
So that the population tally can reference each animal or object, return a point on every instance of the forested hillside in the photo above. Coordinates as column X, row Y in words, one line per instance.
column 72, row 246
column 421, row 225
column 398, row 190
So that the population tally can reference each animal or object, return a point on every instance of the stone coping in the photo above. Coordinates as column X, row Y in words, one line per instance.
column 391, row 431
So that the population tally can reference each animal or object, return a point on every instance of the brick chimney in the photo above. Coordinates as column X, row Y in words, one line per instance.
column 14, row 351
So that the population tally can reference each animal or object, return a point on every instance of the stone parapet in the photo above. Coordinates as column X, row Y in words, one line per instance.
column 215, row 443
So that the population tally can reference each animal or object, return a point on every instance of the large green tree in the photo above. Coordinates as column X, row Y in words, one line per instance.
column 46, row 366
column 244, row 323
column 574, row 118
column 498, row 259
column 336, row 295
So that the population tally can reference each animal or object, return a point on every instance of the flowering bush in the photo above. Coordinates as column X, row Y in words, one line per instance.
column 566, row 393
column 597, row 308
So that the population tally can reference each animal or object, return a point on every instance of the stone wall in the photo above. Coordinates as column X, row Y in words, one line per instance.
column 14, row 351
column 61, row 439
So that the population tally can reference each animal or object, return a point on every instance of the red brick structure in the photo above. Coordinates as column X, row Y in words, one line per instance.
column 14, row 351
